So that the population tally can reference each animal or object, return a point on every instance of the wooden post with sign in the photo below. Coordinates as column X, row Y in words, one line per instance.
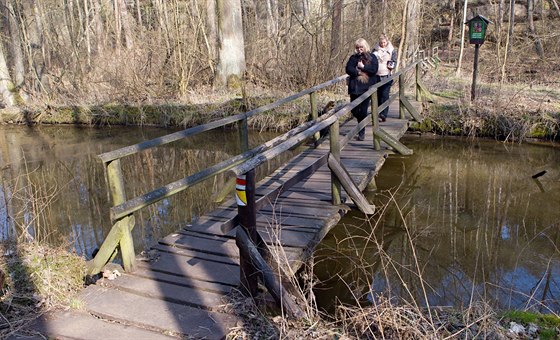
column 477, row 34
column 245, row 199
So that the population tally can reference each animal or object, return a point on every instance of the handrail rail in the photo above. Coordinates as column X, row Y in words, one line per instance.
column 302, row 136
column 132, row 149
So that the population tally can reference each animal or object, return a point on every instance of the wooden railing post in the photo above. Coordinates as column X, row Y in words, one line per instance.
column 120, row 233
column 126, row 224
column 243, row 135
column 335, row 152
column 314, row 113
column 418, row 88
column 246, row 210
column 401, row 96
column 375, row 120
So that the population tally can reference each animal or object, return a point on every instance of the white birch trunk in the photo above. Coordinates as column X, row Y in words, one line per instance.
column 463, row 28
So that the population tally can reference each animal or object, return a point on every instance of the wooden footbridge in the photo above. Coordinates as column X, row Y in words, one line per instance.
column 266, row 232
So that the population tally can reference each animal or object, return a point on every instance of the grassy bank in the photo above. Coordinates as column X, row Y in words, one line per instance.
column 508, row 112
column 179, row 115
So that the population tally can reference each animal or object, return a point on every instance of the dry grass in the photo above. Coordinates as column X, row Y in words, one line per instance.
column 36, row 279
column 526, row 106
column 372, row 315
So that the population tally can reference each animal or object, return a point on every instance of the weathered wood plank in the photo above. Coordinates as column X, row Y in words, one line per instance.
column 75, row 324
column 166, row 290
column 155, row 314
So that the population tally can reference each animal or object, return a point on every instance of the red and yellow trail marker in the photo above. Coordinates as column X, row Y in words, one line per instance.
column 240, row 193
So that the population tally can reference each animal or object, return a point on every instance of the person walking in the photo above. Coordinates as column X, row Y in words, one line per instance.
column 361, row 69
column 386, row 56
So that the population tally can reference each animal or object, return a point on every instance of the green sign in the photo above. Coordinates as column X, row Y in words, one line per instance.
column 477, row 29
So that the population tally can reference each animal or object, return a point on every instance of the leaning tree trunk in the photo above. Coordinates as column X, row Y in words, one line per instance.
column 532, row 30
column 231, row 49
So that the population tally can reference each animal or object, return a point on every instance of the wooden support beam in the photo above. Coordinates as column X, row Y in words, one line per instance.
column 243, row 135
column 116, row 188
column 417, row 82
column 228, row 187
column 401, row 96
column 375, row 120
column 335, row 153
column 417, row 117
column 107, row 248
column 351, row 189
column 272, row 283
column 425, row 92
column 314, row 113
column 392, row 142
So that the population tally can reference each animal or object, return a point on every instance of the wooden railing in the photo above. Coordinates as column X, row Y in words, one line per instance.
column 243, row 166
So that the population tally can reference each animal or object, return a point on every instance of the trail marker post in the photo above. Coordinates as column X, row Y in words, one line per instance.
column 477, row 34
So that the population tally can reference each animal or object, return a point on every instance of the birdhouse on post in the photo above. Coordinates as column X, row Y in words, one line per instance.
column 477, row 29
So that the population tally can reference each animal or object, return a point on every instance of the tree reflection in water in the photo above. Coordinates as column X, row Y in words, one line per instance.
column 459, row 221
column 53, row 187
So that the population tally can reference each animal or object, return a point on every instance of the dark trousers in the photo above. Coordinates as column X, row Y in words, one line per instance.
column 360, row 111
column 383, row 94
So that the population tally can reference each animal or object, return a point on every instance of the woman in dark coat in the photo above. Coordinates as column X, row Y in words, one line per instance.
column 362, row 69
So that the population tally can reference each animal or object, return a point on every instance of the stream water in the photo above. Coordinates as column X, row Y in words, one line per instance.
column 458, row 221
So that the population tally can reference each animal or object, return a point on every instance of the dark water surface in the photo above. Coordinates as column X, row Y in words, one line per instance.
column 464, row 216
column 458, row 222
column 53, row 185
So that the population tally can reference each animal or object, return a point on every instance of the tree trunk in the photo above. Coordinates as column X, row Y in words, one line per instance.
column 6, row 84
column 532, row 31
column 336, row 27
column 463, row 28
column 412, row 24
column 400, row 57
column 15, row 34
column 126, row 22
column 511, row 25
column 98, row 27
column 383, row 15
column 231, row 63
column 451, row 27
column 508, row 39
